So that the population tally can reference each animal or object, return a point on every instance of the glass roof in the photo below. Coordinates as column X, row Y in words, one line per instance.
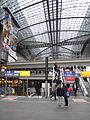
column 51, row 28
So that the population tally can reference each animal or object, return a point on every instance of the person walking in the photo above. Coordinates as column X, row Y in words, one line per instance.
column 54, row 89
column 59, row 94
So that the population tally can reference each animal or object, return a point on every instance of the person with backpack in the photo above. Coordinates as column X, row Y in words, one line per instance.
column 66, row 92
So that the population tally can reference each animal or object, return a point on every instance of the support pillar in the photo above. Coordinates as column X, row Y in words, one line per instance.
column 27, row 87
column 89, row 87
column 6, row 86
column 46, row 77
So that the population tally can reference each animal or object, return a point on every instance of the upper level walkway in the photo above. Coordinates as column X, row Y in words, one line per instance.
column 41, row 64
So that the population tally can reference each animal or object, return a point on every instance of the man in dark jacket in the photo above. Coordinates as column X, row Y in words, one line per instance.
column 65, row 87
column 59, row 94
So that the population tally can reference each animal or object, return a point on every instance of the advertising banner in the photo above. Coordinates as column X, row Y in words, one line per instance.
column 69, row 76
column 9, row 39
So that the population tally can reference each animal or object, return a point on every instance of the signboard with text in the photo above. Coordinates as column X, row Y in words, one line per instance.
column 12, row 73
column 25, row 73
column 85, row 74
column 69, row 76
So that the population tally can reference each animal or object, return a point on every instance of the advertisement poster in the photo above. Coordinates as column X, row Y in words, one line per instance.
column 9, row 40
column 69, row 76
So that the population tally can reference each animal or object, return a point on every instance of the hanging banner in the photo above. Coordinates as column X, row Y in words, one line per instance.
column 9, row 35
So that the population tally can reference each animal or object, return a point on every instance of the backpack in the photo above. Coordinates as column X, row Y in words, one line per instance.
column 67, row 94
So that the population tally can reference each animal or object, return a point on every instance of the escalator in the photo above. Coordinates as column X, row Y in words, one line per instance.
column 79, row 91
column 84, row 86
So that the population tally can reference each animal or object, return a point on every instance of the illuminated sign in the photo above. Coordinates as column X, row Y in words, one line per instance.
column 85, row 73
column 25, row 73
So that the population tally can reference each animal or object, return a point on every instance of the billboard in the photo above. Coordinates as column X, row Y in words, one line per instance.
column 69, row 76
column 9, row 39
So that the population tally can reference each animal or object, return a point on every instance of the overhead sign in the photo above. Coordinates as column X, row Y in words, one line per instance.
column 9, row 73
column 77, row 74
column 12, row 73
column 25, row 73
column 17, row 73
column 69, row 76
column 4, row 67
column 85, row 73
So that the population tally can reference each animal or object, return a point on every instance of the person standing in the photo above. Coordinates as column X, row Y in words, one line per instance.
column 59, row 94
column 37, row 88
column 75, row 86
column 54, row 89
column 66, row 93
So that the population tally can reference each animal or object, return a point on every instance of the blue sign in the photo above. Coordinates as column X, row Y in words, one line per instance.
column 12, row 73
column 69, row 73
column 78, row 74
column 16, row 73
column 9, row 73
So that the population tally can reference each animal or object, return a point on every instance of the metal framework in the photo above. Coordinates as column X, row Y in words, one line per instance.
column 51, row 28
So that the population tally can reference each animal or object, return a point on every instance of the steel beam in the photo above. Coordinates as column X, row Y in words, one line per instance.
column 59, row 44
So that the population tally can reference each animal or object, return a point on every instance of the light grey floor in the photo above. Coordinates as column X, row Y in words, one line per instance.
column 42, row 109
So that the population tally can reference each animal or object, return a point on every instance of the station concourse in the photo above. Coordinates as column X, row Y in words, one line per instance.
column 44, row 47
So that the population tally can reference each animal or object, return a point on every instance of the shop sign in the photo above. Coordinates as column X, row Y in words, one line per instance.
column 85, row 73
column 25, row 73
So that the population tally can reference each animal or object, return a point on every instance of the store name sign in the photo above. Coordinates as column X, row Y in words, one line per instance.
column 85, row 73
column 17, row 73
column 25, row 73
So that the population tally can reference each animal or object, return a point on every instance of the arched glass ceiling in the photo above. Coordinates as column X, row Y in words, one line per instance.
column 47, row 26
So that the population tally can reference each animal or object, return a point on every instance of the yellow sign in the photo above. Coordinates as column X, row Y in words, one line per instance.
column 25, row 73
column 85, row 73
column 4, row 67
